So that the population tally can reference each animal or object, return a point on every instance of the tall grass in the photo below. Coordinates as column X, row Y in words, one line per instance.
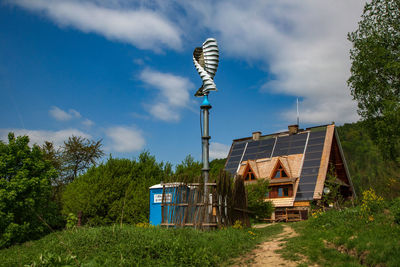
column 347, row 238
column 136, row 246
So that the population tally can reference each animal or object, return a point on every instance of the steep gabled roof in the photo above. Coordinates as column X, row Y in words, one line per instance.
column 309, row 151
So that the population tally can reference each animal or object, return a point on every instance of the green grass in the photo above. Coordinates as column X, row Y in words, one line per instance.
column 343, row 238
column 137, row 246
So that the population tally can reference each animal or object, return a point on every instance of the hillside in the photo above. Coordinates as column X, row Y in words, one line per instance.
column 367, row 167
column 368, row 234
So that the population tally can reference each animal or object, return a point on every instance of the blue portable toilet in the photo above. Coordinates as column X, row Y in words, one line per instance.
column 156, row 192
column 155, row 204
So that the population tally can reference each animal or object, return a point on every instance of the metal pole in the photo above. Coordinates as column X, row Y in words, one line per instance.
column 205, row 107
column 297, row 109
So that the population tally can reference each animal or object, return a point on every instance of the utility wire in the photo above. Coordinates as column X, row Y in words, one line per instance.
column 201, row 126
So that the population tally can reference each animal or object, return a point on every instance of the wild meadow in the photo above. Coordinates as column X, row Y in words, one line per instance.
column 368, row 234
column 138, row 245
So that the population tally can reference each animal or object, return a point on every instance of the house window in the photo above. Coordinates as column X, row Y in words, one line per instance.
column 279, row 172
column 249, row 176
column 281, row 191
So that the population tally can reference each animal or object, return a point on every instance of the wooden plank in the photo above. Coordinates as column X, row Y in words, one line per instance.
column 247, row 211
column 162, row 204
column 198, row 184
column 301, row 204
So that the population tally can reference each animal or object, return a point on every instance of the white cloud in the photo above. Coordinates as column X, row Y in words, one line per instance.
column 125, row 139
column 62, row 115
column 88, row 122
column 138, row 61
column 143, row 28
column 40, row 136
column 75, row 113
column 301, row 43
column 163, row 112
column 323, row 111
column 173, row 94
column 140, row 116
column 218, row 150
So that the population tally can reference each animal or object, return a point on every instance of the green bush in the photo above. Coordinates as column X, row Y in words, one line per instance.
column 72, row 220
column 371, row 204
column 115, row 191
column 256, row 203
column 25, row 192
column 395, row 210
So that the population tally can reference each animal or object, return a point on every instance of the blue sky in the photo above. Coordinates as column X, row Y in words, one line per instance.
column 122, row 71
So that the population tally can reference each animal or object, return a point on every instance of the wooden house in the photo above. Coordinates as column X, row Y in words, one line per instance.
column 296, row 163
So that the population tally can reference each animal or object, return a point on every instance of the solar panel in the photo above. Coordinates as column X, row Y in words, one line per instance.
column 292, row 144
column 296, row 150
column 251, row 150
column 264, row 151
column 306, row 179
column 307, row 171
column 306, row 187
column 312, row 161
column 237, row 152
column 234, row 157
column 268, row 141
column 252, row 144
column 304, row 195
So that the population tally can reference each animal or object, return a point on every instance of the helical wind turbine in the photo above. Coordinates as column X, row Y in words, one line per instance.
column 206, row 59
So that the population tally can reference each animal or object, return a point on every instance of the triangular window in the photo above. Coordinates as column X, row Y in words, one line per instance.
column 279, row 171
column 249, row 175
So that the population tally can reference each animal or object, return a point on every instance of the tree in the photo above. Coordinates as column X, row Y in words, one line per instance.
column 367, row 167
column 52, row 154
column 256, row 194
column 189, row 170
column 216, row 166
column 78, row 154
column 73, row 158
column 24, row 192
column 375, row 73
column 115, row 191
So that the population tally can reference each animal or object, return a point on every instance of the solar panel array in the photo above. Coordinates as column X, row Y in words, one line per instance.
column 280, row 146
column 251, row 149
column 292, row 144
column 312, row 161
column 259, row 149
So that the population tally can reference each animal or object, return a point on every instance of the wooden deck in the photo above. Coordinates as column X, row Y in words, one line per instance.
column 287, row 215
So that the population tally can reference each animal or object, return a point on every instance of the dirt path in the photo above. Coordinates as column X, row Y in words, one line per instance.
column 265, row 254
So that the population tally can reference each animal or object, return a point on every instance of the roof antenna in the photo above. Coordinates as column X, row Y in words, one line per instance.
column 297, row 102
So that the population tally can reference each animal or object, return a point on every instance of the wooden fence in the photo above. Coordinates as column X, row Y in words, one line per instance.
column 185, row 205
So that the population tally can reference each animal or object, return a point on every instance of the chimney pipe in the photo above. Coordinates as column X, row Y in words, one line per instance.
column 256, row 136
column 293, row 129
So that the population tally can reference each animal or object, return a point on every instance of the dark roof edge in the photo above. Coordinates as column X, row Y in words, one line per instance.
column 229, row 154
column 263, row 137
column 344, row 162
